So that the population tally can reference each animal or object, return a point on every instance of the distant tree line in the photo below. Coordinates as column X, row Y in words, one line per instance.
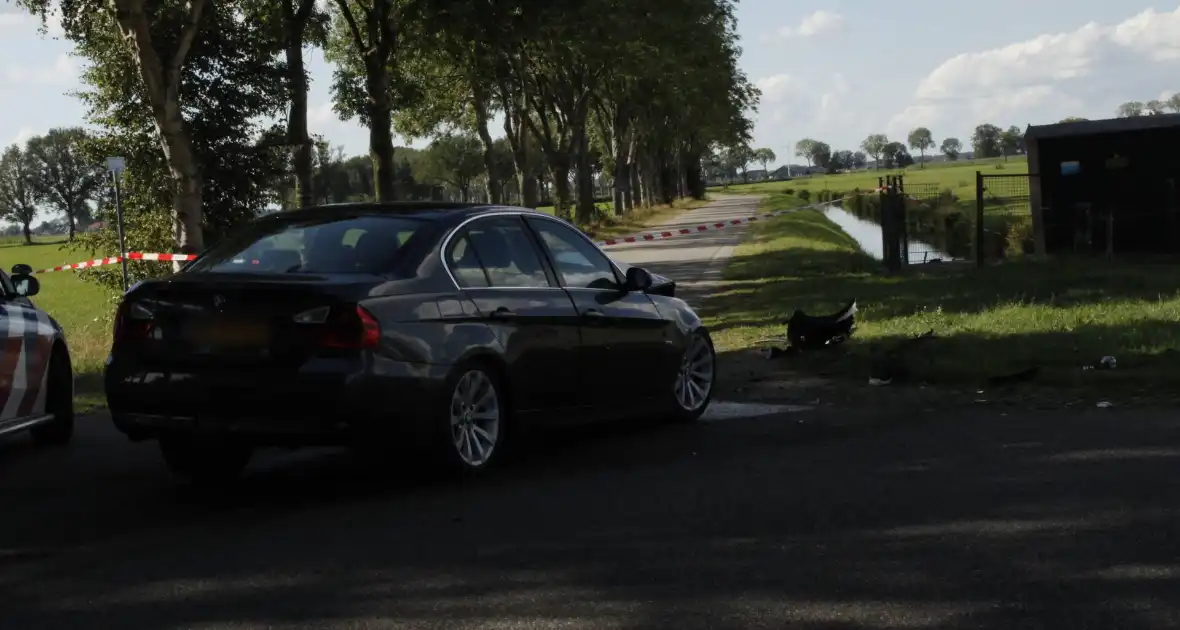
column 987, row 141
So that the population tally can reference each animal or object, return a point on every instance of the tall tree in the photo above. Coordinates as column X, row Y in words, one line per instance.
column 1155, row 107
column 805, row 149
column 1173, row 102
column 951, row 148
column 65, row 179
column 985, row 141
column 18, row 197
column 765, row 157
column 363, row 44
column 301, row 24
column 1072, row 119
column 1011, row 141
column 159, row 37
column 454, row 159
column 1130, row 109
column 921, row 140
column 874, row 145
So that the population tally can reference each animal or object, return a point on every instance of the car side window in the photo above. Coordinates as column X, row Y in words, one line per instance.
column 465, row 265
column 503, row 253
column 6, row 287
column 579, row 263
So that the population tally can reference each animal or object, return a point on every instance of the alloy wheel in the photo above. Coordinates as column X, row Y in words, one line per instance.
column 475, row 418
column 695, row 380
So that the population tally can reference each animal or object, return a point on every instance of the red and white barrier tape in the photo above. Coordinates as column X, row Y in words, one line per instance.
column 638, row 238
column 706, row 227
column 98, row 262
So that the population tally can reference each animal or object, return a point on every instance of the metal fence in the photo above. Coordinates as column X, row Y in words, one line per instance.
column 1004, row 217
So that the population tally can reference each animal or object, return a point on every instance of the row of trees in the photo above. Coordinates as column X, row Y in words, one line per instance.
column 50, row 175
column 987, row 141
column 1154, row 107
column 183, row 90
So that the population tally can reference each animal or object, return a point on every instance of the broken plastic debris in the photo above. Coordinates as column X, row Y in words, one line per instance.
column 1104, row 404
column 1109, row 362
column 877, row 382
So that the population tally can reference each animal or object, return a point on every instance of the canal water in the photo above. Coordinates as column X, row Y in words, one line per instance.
column 868, row 235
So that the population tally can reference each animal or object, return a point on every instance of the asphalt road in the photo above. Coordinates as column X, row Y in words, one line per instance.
column 821, row 519
column 694, row 261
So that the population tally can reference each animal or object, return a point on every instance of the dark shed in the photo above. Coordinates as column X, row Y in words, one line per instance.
column 1101, row 182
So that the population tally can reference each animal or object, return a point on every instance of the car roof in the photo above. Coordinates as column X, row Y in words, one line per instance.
column 431, row 210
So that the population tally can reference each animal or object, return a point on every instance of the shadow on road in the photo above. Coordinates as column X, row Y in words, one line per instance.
column 986, row 522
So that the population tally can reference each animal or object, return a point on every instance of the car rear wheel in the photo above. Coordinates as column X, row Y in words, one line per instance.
column 695, row 378
column 205, row 461
column 59, row 401
column 476, row 419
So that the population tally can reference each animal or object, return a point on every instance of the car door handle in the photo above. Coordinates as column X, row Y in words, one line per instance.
column 593, row 313
column 502, row 313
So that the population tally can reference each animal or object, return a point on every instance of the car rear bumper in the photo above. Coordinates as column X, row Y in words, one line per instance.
column 325, row 402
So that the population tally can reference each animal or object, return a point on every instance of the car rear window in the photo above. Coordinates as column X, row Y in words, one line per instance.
column 340, row 245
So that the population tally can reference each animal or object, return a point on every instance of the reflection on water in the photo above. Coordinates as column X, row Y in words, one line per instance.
column 868, row 235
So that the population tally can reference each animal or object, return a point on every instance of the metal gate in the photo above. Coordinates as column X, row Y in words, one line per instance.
column 1004, row 226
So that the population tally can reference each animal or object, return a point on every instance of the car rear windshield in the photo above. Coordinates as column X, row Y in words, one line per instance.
column 338, row 245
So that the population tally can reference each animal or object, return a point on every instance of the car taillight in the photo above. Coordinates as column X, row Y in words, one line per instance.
column 342, row 327
column 133, row 322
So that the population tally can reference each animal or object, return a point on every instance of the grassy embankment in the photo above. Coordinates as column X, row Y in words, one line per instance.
column 83, row 309
column 1056, row 316
column 944, row 213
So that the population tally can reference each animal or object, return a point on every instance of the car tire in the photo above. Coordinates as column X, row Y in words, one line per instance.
column 205, row 461
column 59, row 401
column 699, row 359
column 473, row 419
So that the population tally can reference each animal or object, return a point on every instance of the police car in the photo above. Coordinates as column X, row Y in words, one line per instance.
column 36, row 378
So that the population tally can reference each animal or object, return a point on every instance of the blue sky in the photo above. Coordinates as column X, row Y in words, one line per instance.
column 835, row 71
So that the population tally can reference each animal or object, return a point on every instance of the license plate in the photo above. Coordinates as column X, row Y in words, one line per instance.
column 231, row 335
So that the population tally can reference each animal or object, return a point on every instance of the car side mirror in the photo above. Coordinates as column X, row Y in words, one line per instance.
column 22, row 270
column 638, row 279
column 26, row 285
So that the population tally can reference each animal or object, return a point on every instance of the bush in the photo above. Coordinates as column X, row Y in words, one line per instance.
column 947, row 198
column 804, row 194
column 788, row 191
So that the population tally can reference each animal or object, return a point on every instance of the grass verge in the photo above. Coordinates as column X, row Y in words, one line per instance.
column 637, row 220
column 1055, row 316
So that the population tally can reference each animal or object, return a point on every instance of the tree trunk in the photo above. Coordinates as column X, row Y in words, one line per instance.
column 28, row 233
column 297, row 134
column 72, row 224
column 560, row 170
column 694, row 177
column 380, row 131
column 162, row 85
column 584, row 178
column 479, row 103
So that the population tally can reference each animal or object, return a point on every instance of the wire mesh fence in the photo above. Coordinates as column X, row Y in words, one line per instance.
column 1004, row 218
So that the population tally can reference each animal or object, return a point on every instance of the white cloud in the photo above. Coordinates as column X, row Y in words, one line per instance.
column 793, row 108
column 818, row 23
column 63, row 71
column 1084, row 72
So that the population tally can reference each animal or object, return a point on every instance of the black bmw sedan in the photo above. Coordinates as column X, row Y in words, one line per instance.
column 423, row 325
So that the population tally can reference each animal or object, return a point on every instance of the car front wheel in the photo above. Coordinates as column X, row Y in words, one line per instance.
column 59, row 402
column 693, row 388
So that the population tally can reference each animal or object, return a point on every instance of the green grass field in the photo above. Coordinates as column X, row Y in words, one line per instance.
column 1056, row 316
column 959, row 177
